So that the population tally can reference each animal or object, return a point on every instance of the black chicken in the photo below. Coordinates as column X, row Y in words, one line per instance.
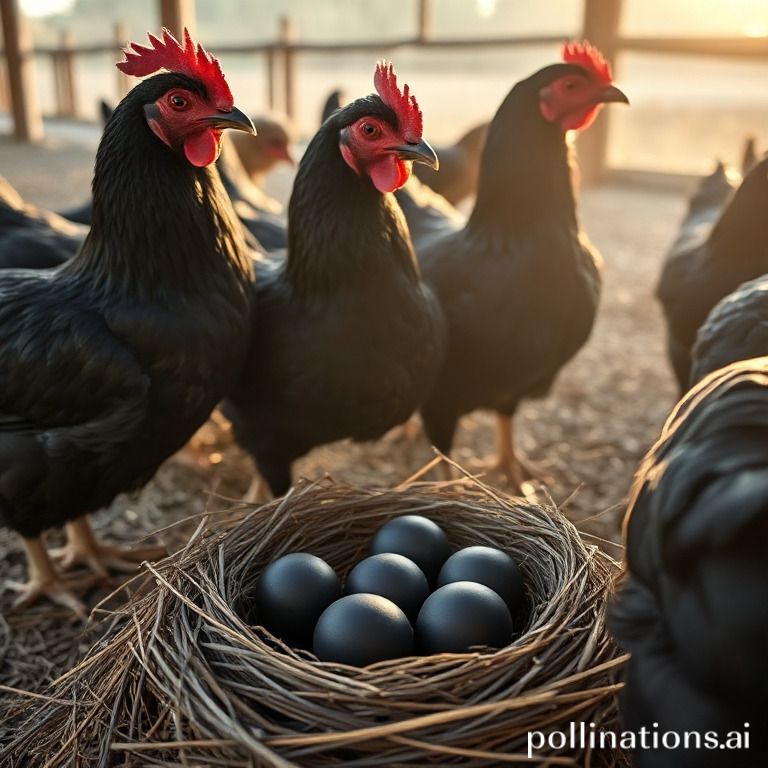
column 109, row 363
column 704, row 265
column 264, row 228
column 519, row 284
column 736, row 329
column 693, row 609
column 346, row 339
column 32, row 238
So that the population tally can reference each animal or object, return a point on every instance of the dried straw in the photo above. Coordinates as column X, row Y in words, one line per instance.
column 182, row 678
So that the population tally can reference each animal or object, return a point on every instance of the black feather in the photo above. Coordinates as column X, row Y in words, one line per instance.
column 692, row 609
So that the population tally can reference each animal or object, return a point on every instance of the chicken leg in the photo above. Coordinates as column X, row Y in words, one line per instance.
column 515, row 467
column 45, row 581
column 83, row 548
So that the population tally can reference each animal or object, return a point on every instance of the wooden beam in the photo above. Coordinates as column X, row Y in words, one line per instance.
column 602, row 21
column 425, row 20
column 177, row 14
column 287, row 39
column 120, row 32
column 27, row 120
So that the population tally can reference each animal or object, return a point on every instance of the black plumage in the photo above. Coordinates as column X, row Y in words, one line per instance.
column 109, row 363
column 430, row 216
column 736, row 329
column 264, row 229
column 707, row 262
column 692, row 609
column 31, row 238
column 346, row 338
column 519, row 284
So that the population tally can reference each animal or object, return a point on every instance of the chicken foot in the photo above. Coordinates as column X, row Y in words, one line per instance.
column 83, row 548
column 45, row 581
column 516, row 468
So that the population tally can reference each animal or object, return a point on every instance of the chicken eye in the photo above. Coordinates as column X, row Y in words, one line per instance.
column 371, row 130
column 178, row 102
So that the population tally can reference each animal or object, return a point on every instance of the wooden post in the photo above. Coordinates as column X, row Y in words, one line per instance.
column 425, row 20
column 271, row 73
column 27, row 121
column 120, row 32
column 287, row 38
column 64, row 64
column 177, row 14
column 602, row 20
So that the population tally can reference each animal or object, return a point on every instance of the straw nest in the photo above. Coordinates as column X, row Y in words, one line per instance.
column 181, row 678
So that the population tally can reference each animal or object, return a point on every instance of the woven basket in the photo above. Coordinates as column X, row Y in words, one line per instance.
column 182, row 678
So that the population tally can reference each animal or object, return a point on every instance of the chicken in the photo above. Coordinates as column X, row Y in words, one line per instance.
column 736, row 329
column 459, row 163
column 346, row 339
column 692, row 609
column 32, row 238
column 109, row 363
column 519, row 284
column 265, row 229
column 707, row 262
column 459, row 167
column 261, row 153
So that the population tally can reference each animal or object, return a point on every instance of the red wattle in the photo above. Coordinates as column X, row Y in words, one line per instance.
column 203, row 148
column 390, row 173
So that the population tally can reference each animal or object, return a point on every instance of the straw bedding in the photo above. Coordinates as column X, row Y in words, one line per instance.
column 182, row 678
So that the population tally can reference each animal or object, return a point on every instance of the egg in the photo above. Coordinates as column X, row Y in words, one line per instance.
column 362, row 629
column 292, row 593
column 417, row 538
column 392, row 576
column 488, row 566
column 460, row 616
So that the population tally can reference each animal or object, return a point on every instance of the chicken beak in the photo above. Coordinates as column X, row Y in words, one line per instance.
column 612, row 93
column 418, row 153
column 234, row 119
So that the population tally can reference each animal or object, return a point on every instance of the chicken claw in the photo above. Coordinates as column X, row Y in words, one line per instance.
column 45, row 581
column 83, row 548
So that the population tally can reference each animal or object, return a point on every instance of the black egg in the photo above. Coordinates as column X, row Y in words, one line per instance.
column 362, row 629
column 488, row 566
column 418, row 539
column 392, row 576
column 292, row 593
column 460, row 616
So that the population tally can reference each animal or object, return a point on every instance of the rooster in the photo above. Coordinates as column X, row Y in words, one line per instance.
column 346, row 338
column 736, row 329
column 519, row 284
column 109, row 363
column 692, row 609
column 703, row 268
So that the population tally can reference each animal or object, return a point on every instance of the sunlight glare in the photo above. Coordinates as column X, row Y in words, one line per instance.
column 39, row 8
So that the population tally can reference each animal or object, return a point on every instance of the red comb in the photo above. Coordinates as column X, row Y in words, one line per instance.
column 404, row 106
column 587, row 56
column 189, row 59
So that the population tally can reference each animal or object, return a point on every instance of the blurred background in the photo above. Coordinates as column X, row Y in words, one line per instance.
column 696, row 70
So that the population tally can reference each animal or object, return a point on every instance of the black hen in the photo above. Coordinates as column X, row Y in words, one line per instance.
column 519, row 284
column 693, row 609
column 264, row 228
column 31, row 238
column 346, row 338
column 109, row 363
column 736, row 329
column 705, row 264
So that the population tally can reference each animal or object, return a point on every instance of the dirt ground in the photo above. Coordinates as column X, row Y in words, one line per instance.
column 604, row 412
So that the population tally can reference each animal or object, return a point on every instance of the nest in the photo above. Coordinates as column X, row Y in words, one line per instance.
column 181, row 678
